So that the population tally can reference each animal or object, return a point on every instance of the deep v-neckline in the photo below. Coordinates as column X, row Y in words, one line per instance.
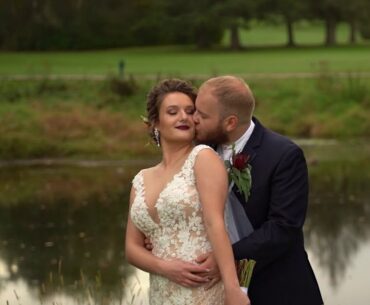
column 153, row 208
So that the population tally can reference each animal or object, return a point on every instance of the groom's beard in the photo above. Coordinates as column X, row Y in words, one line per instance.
column 215, row 137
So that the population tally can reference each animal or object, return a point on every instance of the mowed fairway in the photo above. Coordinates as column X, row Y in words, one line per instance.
column 265, row 53
column 182, row 61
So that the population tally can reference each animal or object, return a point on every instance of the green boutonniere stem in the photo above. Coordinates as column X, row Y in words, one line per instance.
column 242, row 179
column 240, row 172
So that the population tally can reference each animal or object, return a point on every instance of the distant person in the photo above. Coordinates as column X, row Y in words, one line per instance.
column 179, row 204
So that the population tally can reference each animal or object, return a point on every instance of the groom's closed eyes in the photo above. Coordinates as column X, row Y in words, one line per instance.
column 201, row 114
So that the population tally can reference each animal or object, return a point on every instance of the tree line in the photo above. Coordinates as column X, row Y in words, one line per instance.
column 87, row 24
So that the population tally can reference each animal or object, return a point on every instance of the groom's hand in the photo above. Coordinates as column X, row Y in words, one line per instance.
column 208, row 261
column 185, row 274
column 148, row 244
column 182, row 273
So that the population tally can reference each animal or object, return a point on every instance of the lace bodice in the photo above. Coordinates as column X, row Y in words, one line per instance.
column 178, row 234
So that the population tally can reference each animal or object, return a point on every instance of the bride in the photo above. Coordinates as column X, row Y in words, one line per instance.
column 179, row 204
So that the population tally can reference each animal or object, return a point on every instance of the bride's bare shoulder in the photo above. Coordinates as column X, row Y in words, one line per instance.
column 208, row 161
column 150, row 170
column 207, row 156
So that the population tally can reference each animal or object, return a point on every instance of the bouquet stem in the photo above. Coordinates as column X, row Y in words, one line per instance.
column 245, row 271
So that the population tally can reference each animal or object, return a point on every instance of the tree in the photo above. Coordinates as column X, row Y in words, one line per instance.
column 69, row 24
column 291, row 11
column 194, row 21
column 331, row 12
column 234, row 14
column 354, row 14
column 364, row 23
column 286, row 11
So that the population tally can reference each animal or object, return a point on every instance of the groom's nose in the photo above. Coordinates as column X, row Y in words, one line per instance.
column 196, row 117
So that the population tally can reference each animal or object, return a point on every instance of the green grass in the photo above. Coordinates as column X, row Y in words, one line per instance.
column 89, row 119
column 265, row 54
column 324, row 107
column 305, row 33
column 180, row 61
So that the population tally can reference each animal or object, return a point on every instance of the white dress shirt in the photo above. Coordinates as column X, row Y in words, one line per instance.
column 225, row 151
column 234, row 214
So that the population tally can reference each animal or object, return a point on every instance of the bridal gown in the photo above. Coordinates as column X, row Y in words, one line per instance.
column 179, row 233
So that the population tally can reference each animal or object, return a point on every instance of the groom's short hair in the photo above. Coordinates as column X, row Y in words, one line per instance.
column 234, row 96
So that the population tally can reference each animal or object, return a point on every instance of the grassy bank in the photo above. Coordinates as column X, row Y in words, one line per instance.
column 96, row 119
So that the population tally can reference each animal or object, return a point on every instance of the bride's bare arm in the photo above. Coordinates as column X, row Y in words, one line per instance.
column 212, row 185
column 182, row 273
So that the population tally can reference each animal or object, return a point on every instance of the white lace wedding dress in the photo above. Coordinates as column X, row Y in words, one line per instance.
column 179, row 233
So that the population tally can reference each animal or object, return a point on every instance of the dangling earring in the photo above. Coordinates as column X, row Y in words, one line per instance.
column 156, row 136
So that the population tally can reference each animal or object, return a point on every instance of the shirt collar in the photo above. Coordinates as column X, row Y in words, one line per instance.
column 242, row 141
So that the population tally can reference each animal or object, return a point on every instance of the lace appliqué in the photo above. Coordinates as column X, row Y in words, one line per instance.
column 180, row 234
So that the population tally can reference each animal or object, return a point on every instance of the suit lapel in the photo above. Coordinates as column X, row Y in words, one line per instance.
column 255, row 140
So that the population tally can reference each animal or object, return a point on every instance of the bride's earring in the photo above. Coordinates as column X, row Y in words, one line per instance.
column 156, row 136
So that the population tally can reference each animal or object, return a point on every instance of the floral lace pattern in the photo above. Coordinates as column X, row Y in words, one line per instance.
column 179, row 234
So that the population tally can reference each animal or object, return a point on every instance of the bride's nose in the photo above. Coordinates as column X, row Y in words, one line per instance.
column 184, row 116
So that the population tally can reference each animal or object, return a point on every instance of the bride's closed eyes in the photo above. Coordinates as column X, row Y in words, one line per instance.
column 173, row 110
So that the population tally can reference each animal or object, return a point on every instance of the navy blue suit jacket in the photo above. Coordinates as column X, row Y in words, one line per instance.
column 277, row 209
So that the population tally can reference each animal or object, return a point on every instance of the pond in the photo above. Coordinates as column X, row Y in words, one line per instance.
column 62, row 229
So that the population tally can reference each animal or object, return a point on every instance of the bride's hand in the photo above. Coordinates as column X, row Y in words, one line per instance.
column 236, row 297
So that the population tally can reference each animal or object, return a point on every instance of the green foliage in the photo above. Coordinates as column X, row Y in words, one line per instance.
column 12, row 91
column 81, row 118
column 323, row 107
column 15, row 91
column 50, row 87
column 77, row 25
column 363, row 19
column 51, row 25
column 84, row 118
column 356, row 90
column 123, row 87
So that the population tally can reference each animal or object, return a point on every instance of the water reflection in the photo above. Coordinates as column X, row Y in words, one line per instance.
column 61, row 228
column 339, row 215
column 68, row 234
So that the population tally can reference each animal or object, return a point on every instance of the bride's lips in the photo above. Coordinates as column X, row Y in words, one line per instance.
column 183, row 127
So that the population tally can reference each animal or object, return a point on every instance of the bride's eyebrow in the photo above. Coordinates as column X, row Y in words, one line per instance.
column 177, row 107
column 172, row 107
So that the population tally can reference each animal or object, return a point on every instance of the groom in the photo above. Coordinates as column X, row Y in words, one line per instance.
column 276, row 208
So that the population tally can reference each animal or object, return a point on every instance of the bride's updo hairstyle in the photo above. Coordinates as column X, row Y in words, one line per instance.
column 158, row 93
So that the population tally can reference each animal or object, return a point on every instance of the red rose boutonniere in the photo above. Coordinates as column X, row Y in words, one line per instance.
column 240, row 172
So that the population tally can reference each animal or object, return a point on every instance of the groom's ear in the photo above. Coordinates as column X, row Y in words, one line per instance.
column 231, row 122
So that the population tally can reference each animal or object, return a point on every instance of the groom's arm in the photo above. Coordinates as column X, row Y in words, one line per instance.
column 287, row 212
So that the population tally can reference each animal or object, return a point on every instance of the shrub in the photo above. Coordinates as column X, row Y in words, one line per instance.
column 123, row 87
